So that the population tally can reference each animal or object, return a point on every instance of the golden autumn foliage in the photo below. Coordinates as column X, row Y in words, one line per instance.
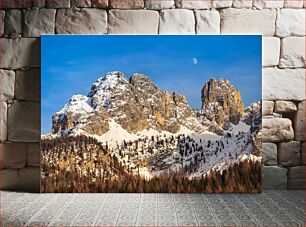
column 83, row 165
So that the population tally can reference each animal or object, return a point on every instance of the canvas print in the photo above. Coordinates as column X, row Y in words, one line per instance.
column 151, row 114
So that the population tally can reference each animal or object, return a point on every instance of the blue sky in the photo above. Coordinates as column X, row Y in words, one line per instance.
column 70, row 64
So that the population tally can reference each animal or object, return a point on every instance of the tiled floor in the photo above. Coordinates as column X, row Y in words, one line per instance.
column 271, row 208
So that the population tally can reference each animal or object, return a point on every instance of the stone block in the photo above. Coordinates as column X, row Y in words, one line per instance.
column 81, row 21
column 275, row 115
column 293, row 52
column 283, row 84
column 267, row 107
column 27, row 85
column 299, row 122
column 13, row 21
column 15, row 4
column 24, row 122
column 126, row 4
column 274, row 177
column 3, row 121
column 221, row 3
column 20, row 53
column 262, row 4
column 80, row 3
column 242, row 4
column 269, row 153
column 285, row 107
column 248, row 21
column 159, row 4
column 296, row 177
column 293, row 4
column 208, row 22
column 290, row 22
column 13, row 155
column 99, row 3
column 277, row 129
column 39, row 3
column 26, row 179
column 270, row 51
column 33, row 154
column 55, row 4
column 177, row 21
column 289, row 153
column 139, row 22
column 38, row 22
column 303, row 160
column 191, row 4
column 2, row 15
column 7, row 82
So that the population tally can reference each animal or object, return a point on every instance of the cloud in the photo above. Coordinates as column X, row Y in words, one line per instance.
column 194, row 61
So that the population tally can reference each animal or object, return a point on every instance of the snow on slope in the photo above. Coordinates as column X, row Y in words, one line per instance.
column 78, row 105
column 115, row 135
column 102, row 88
column 237, row 147
column 115, row 84
column 241, row 127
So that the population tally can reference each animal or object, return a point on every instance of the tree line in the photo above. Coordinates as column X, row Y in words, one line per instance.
column 83, row 164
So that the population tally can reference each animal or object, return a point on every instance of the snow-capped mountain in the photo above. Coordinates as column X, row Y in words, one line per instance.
column 151, row 131
column 136, row 104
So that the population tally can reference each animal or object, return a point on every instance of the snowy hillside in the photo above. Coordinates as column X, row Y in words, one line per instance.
column 186, row 150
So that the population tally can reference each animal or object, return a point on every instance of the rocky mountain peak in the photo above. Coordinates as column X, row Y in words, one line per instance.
column 102, row 91
column 138, row 77
column 141, row 83
column 178, row 98
column 221, row 102
column 109, row 81
column 135, row 104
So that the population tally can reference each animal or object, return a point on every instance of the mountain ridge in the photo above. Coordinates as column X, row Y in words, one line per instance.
column 137, row 104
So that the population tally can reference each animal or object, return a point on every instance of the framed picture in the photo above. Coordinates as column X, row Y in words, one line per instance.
column 151, row 113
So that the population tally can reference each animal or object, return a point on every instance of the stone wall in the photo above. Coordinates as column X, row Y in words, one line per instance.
column 282, row 23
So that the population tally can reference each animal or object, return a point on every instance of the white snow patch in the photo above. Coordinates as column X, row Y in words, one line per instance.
column 250, row 157
column 184, row 130
column 102, row 90
column 241, row 127
column 78, row 105
column 148, row 132
column 197, row 136
column 116, row 134
column 206, row 136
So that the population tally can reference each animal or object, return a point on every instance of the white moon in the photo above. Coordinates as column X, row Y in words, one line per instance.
column 194, row 61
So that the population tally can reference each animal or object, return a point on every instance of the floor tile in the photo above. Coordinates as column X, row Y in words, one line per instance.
column 270, row 208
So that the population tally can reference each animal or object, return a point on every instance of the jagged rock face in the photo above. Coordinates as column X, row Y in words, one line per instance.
column 97, row 124
column 78, row 113
column 115, row 95
column 252, row 117
column 252, row 114
column 162, row 111
column 221, row 102
column 136, row 104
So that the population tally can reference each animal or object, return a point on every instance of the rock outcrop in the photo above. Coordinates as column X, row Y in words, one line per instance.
column 79, row 114
column 135, row 103
column 221, row 103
